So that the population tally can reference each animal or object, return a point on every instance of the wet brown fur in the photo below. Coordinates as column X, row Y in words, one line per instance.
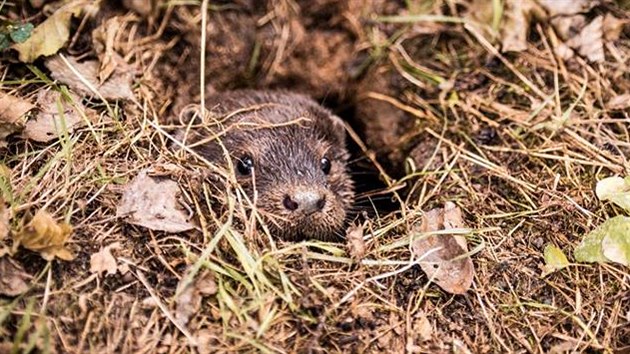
column 286, row 135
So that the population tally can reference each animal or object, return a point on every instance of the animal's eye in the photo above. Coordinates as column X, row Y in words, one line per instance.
column 325, row 165
column 245, row 165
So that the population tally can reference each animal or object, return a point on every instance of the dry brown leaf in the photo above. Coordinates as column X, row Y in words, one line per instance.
column 438, row 251
column 103, row 39
column 14, row 280
column 613, row 27
column 567, row 7
column 568, row 27
column 45, row 236
column 152, row 202
column 422, row 327
column 50, row 122
column 206, row 284
column 454, row 219
column 4, row 219
column 49, row 36
column 516, row 23
column 188, row 301
column 207, row 339
column 12, row 111
column 104, row 261
column 619, row 102
column 117, row 86
column 354, row 242
column 589, row 43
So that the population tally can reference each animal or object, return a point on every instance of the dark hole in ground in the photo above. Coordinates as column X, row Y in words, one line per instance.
column 372, row 197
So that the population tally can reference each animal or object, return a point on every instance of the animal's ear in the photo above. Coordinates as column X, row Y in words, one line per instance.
column 331, row 126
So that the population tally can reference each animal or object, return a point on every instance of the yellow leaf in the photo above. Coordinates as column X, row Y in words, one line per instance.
column 44, row 235
column 554, row 259
column 48, row 37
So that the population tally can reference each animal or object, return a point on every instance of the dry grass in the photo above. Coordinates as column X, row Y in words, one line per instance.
column 518, row 146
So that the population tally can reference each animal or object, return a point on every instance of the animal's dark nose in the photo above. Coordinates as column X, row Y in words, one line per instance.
column 307, row 201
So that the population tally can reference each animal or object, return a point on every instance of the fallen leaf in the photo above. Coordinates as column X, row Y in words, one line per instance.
column 567, row 7
column 22, row 32
column 50, row 122
column 454, row 219
column 354, row 242
column 207, row 340
column 422, row 327
column 117, row 86
column 104, row 261
column 12, row 115
column 516, row 23
column 616, row 231
column 44, row 235
column 589, row 43
column 152, row 202
column 568, row 27
column 613, row 27
column 49, row 36
column 512, row 24
column 554, row 259
column 188, row 301
column 619, row 102
column 616, row 243
column 563, row 347
column 438, row 252
column 206, row 284
column 4, row 220
column 103, row 40
column 187, row 304
column 14, row 280
column 616, row 190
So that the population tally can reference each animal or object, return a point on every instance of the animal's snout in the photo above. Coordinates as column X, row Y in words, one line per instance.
column 305, row 200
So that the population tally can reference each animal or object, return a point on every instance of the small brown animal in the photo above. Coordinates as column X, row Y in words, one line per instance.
column 288, row 149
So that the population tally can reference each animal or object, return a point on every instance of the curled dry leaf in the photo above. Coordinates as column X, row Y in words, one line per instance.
column 515, row 17
column 589, row 42
column 104, row 261
column 567, row 7
column 422, row 327
column 568, row 27
column 152, row 202
column 49, row 36
column 438, row 252
column 354, row 241
column 56, row 115
column 12, row 115
column 613, row 27
column 14, row 280
column 516, row 24
column 117, row 86
column 619, row 102
column 188, row 301
column 103, row 39
column 46, row 236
